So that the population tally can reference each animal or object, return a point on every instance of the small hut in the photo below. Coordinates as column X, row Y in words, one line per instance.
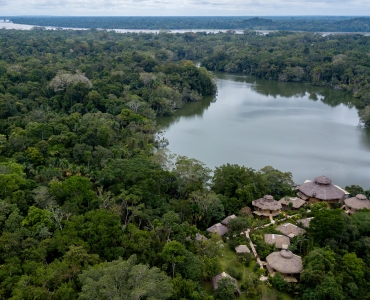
column 289, row 203
column 227, row 219
column 286, row 263
column 266, row 206
column 320, row 190
column 242, row 249
column 218, row 228
column 354, row 204
column 305, row 222
column 280, row 241
column 290, row 230
column 218, row 277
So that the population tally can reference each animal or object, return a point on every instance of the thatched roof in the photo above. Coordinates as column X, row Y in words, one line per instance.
column 200, row 237
column 227, row 219
column 267, row 203
column 290, row 230
column 305, row 222
column 277, row 239
column 242, row 249
column 218, row 228
column 285, row 262
column 321, row 188
column 358, row 202
column 218, row 277
column 296, row 202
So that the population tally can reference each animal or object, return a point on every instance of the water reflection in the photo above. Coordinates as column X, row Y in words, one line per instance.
column 307, row 130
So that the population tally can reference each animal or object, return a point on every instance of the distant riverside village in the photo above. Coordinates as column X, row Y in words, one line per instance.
column 283, row 211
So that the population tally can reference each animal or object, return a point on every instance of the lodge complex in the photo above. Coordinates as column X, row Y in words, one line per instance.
column 284, row 261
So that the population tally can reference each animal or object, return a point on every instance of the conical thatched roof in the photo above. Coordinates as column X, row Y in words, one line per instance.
column 218, row 228
column 218, row 277
column 285, row 262
column 296, row 202
column 290, row 230
column 267, row 203
column 227, row 219
column 358, row 202
column 242, row 249
column 277, row 239
column 321, row 188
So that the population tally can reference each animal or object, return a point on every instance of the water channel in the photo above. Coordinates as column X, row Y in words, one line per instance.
column 309, row 131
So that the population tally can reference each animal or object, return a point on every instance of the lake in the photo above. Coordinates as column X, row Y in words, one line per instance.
column 309, row 131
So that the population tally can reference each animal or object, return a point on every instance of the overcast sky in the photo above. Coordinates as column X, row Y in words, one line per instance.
column 183, row 7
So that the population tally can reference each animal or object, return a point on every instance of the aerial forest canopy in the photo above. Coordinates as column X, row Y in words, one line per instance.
column 90, row 211
column 299, row 23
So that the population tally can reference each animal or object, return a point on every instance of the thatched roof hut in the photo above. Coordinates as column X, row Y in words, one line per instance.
column 290, row 230
column 218, row 277
column 305, row 222
column 218, row 228
column 227, row 219
column 321, row 189
column 266, row 206
column 356, row 203
column 242, row 249
column 295, row 202
column 280, row 241
column 285, row 262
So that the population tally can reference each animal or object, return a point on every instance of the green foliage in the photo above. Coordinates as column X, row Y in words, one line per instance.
column 225, row 289
column 278, row 282
column 124, row 280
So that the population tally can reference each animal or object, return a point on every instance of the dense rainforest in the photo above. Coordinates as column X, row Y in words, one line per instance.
column 93, row 207
column 299, row 23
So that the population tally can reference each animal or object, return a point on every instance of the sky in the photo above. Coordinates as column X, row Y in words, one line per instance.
column 184, row 7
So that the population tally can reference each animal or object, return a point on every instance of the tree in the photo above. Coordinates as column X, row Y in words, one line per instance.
column 225, row 289
column 238, row 225
column 208, row 206
column 191, row 175
column 174, row 253
column 329, row 225
column 316, row 265
column 279, row 183
column 121, row 279
column 354, row 266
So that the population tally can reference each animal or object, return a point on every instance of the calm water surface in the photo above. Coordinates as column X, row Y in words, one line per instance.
column 309, row 131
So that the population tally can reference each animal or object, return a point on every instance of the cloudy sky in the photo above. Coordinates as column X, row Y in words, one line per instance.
column 183, row 7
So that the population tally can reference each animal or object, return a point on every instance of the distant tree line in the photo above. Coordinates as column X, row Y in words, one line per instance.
column 342, row 24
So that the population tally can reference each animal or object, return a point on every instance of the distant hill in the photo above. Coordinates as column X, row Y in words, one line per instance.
column 314, row 23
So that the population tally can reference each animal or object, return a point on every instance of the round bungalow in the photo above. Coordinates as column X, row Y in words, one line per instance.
column 320, row 190
column 266, row 206
column 286, row 263
column 354, row 204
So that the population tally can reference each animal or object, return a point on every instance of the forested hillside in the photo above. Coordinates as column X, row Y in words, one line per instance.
column 92, row 207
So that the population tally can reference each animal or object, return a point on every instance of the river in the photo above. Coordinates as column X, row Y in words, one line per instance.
column 309, row 131
column 11, row 25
